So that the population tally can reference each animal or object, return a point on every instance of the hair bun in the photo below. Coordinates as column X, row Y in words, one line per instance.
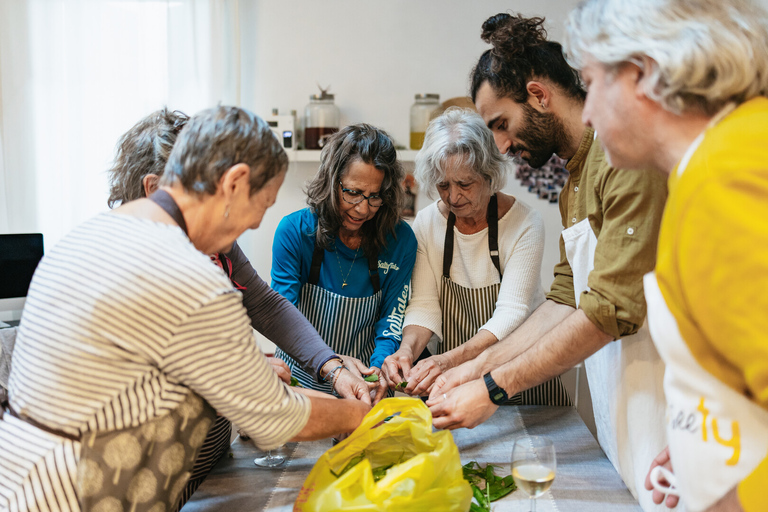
column 511, row 35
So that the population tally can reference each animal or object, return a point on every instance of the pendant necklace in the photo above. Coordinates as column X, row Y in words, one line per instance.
column 344, row 278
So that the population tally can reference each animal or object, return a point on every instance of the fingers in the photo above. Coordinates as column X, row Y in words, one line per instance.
column 662, row 459
column 437, row 386
column 422, row 376
column 281, row 369
column 672, row 501
column 466, row 406
column 445, row 382
column 348, row 385
column 355, row 366
column 396, row 367
column 423, row 386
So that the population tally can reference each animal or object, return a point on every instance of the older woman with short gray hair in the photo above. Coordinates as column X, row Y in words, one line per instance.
column 477, row 272
column 131, row 341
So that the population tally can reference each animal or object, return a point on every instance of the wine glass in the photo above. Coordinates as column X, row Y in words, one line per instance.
column 269, row 460
column 533, row 465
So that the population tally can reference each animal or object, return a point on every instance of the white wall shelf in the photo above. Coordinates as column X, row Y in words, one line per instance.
column 313, row 155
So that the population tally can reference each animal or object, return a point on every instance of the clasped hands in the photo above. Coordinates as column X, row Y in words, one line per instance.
column 457, row 395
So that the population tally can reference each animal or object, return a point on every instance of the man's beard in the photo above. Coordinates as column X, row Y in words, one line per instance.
column 542, row 134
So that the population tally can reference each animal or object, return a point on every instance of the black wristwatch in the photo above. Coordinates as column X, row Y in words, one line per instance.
column 498, row 396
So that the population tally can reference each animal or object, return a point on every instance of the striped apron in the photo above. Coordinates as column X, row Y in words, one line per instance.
column 466, row 310
column 346, row 324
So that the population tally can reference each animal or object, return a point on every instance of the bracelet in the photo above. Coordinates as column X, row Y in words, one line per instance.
column 329, row 375
column 340, row 363
column 336, row 377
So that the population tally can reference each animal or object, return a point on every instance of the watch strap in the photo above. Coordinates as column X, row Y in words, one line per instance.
column 497, row 395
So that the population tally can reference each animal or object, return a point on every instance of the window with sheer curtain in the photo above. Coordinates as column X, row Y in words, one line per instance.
column 76, row 74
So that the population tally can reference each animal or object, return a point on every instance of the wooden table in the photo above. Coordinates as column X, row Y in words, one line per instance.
column 585, row 481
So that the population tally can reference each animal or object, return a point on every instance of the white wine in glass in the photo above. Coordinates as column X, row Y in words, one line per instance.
column 533, row 465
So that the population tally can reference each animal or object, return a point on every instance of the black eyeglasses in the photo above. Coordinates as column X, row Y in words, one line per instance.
column 355, row 197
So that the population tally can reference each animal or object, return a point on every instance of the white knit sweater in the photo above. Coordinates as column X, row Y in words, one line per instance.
column 521, row 245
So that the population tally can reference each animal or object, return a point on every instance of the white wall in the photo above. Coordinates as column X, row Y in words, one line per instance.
column 375, row 56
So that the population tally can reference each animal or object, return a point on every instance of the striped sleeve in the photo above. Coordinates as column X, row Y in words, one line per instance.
column 213, row 352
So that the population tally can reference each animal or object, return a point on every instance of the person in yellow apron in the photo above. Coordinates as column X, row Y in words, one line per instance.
column 686, row 83
column 477, row 274
column 131, row 340
column 532, row 101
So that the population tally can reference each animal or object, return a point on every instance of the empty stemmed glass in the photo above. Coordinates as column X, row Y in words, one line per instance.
column 533, row 465
column 269, row 460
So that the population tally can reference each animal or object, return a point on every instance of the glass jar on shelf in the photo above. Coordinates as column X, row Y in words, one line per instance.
column 421, row 110
column 321, row 120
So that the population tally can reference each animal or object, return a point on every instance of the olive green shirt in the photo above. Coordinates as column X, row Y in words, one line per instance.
column 624, row 209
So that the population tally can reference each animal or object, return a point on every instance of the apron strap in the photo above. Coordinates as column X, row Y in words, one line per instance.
column 493, row 232
column 317, row 262
column 373, row 273
column 493, row 238
column 448, row 247
column 164, row 200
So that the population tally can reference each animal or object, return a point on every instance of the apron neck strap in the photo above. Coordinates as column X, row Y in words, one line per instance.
column 317, row 262
column 164, row 200
column 493, row 232
column 493, row 238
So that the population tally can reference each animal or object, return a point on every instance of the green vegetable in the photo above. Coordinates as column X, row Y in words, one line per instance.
column 493, row 487
column 354, row 461
column 371, row 378
column 402, row 385
column 295, row 382
column 378, row 473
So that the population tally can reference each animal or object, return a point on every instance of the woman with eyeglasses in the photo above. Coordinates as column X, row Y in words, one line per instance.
column 346, row 261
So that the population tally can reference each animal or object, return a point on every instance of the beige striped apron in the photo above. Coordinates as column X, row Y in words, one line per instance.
column 466, row 310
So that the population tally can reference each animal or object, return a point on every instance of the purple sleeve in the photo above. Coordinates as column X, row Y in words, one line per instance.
column 276, row 318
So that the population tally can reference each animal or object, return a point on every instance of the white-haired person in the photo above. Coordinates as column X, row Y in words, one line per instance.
column 132, row 340
column 478, row 267
column 680, row 87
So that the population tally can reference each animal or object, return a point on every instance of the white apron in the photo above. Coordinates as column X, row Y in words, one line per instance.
column 626, row 383
column 716, row 435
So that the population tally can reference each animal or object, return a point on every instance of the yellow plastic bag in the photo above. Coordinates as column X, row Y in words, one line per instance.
column 426, row 474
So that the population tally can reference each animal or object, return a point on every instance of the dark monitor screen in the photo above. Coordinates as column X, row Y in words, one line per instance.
column 19, row 256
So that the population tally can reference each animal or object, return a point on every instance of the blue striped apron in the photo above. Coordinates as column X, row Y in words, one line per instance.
column 346, row 324
column 466, row 310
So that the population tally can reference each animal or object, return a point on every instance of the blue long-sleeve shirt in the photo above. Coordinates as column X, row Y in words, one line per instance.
column 292, row 257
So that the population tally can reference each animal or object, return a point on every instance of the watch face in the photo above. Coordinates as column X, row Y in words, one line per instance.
column 498, row 396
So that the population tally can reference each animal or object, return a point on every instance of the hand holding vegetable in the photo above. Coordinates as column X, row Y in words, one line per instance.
column 397, row 366
column 422, row 376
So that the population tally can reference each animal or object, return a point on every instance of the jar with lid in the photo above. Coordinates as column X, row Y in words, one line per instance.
column 321, row 120
column 421, row 111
